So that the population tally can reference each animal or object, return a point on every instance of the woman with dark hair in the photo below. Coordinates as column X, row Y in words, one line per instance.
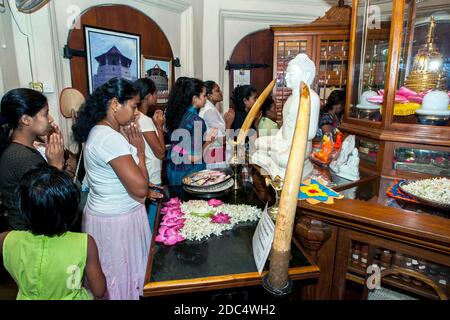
column 244, row 97
column 214, row 119
column 151, row 128
column 40, row 258
column 186, row 129
column 27, row 115
column 153, row 132
column 267, row 125
column 210, row 112
column 330, row 117
column 118, row 184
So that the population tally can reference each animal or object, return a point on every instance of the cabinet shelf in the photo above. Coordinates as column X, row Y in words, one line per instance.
column 388, row 58
column 357, row 275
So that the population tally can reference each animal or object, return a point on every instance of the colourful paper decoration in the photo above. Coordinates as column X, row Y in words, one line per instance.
column 314, row 192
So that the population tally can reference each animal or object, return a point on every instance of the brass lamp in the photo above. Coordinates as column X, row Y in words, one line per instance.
column 427, row 70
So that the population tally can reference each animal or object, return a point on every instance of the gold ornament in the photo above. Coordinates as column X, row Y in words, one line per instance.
column 427, row 70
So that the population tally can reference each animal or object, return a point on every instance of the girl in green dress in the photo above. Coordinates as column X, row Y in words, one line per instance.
column 48, row 261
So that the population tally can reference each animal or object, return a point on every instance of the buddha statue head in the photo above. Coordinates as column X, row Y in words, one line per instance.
column 299, row 69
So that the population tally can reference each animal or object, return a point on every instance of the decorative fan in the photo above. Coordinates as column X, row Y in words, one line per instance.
column 30, row 6
column 70, row 101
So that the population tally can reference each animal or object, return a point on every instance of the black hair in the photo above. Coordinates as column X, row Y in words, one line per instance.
column 16, row 103
column 48, row 200
column 96, row 105
column 335, row 97
column 266, row 105
column 209, row 85
column 180, row 99
column 145, row 86
column 239, row 94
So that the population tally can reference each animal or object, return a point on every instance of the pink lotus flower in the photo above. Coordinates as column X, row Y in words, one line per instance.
column 169, row 236
column 173, row 202
column 221, row 218
column 175, row 214
column 215, row 203
column 171, row 222
column 164, row 210
column 403, row 95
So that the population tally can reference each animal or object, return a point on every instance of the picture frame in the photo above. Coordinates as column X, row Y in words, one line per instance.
column 111, row 54
column 160, row 70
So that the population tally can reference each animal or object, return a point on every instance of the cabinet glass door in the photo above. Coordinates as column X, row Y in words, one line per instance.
column 422, row 95
column 333, row 65
column 371, row 47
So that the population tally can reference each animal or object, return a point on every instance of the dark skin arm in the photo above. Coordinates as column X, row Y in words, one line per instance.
column 2, row 238
column 134, row 177
column 94, row 273
column 156, row 142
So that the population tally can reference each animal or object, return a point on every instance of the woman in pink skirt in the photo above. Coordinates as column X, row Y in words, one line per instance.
column 115, row 214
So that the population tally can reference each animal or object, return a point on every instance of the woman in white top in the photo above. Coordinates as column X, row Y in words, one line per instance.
column 117, row 176
column 214, row 119
column 153, row 132
column 152, row 129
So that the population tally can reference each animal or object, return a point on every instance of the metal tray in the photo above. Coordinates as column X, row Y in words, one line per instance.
column 215, row 191
column 421, row 200
column 208, row 186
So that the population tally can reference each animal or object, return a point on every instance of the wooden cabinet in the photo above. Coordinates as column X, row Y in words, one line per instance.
column 386, row 58
column 408, row 244
column 325, row 41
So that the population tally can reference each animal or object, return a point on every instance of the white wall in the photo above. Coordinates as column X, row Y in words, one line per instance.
column 48, row 31
column 202, row 33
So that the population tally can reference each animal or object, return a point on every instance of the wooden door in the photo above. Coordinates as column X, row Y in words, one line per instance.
column 255, row 48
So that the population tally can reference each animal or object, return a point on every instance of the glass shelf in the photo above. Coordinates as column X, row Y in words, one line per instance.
column 421, row 160
column 424, row 65
column 371, row 48
column 368, row 150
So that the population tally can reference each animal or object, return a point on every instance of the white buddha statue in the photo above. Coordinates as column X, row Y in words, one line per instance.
column 272, row 152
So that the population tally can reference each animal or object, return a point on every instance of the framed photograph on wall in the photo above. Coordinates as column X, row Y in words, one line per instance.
column 160, row 71
column 111, row 54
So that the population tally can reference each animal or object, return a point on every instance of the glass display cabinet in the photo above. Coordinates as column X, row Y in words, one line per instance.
column 398, row 85
column 325, row 41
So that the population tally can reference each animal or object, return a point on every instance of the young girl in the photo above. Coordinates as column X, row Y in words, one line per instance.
column 118, row 184
column 330, row 116
column 48, row 261
column 27, row 114
column 267, row 125
column 153, row 132
column 244, row 97
column 214, row 119
column 187, row 147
